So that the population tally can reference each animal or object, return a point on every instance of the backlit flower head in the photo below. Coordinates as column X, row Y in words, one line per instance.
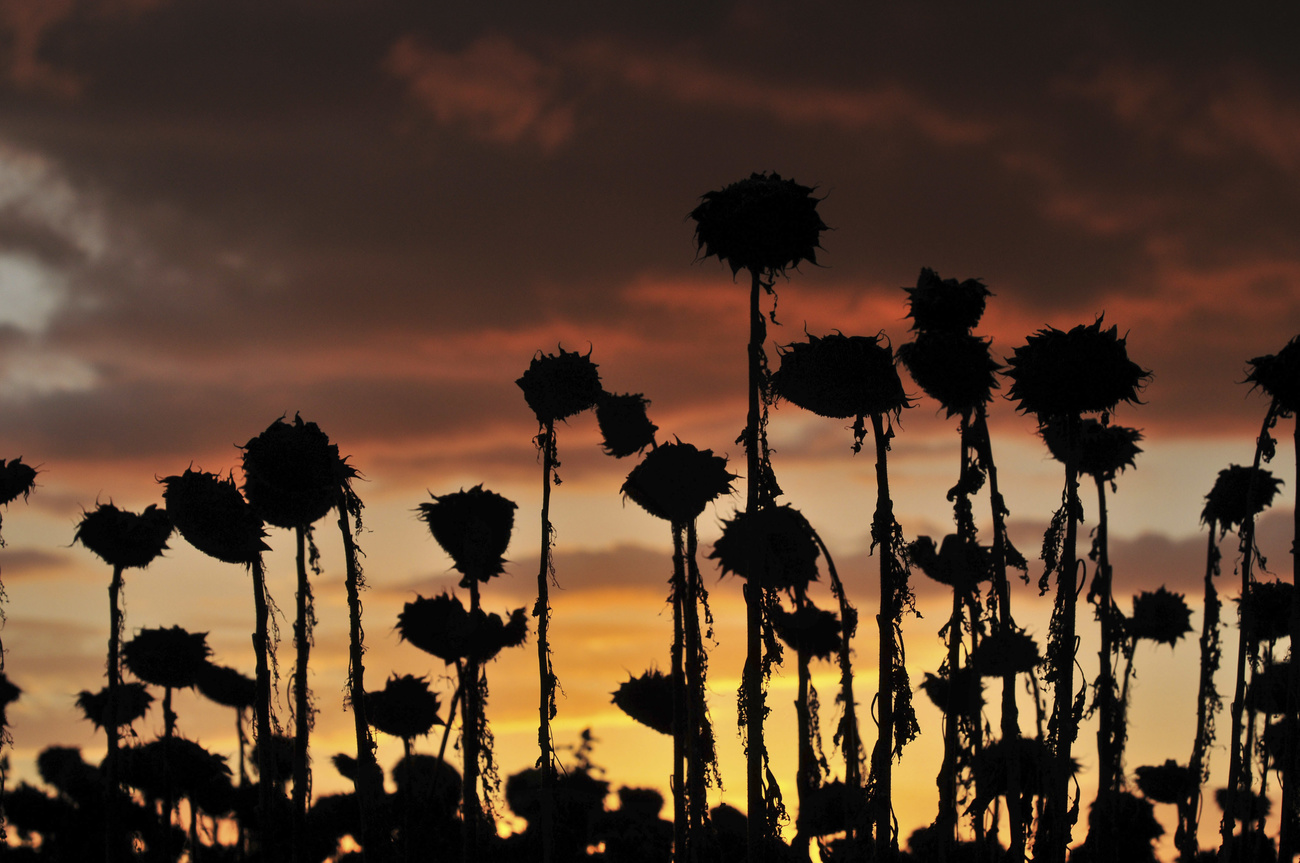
column 1239, row 493
column 167, row 657
column 677, row 481
column 404, row 708
column 777, row 540
column 1248, row 805
column 558, row 386
column 123, row 538
column 293, row 474
column 474, row 527
column 955, row 369
column 130, row 702
column 1170, row 782
column 648, row 699
column 764, row 224
column 226, row 686
column 1266, row 610
column 808, row 629
column 968, row 698
column 1100, row 451
column 625, row 429
column 945, row 305
column 959, row 563
column 1006, row 652
column 841, row 376
column 1160, row 616
column 1279, row 376
column 442, row 626
column 1086, row 370
column 16, row 479
column 213, row 516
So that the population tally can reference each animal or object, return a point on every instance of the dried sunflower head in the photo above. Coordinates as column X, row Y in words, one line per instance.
column 1279, row 376
column 123, row 538
column 16, row 479
column 130, row 702
column 841, row 376
column 809, row 630
column 1160, row 616
column 293, row 474
column 1170, row 782
column 442, row 626
column 1100, row 451
column 214, row 517
column 648, row 699
column 558, row 386
column 226, row 686
column 963, row 689
column 945, row 305
column 764, row 224
column 1266, row 610
column 1006, row 652
column 625, row 429
column 404, row 708
column 1086, row 370
column 955, row 369
column 1239, row 493
column 474, row 527
column 959, row 563
column 777, row 540
column 170, row 658
column 677, row 481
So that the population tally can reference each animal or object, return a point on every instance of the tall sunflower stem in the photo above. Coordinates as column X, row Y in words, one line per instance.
column 545, row 672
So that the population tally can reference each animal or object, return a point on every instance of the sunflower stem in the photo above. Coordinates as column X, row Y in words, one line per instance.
column 262, row 708
column 545, row 672
column 115, row 841
column 1290, row 727
column 470, row 729
column 1208, row 703
column 302, row 697
column 681, row 723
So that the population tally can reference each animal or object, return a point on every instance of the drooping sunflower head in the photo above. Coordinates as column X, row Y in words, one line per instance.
column 764, row 224
column 16, row 479
column 1266, row 611
column 1100, row 451
column 1279, row 376
column 955, row 369
column 293, row 474
column 945, row 305
column 213, row 516
column 558, row 386
column 1239, row 493
column 474, row 527
column 123, row 538
column 625, row 429
column 1010, row 651
column 1085, row 370
column 841, row 376
column 648, row 699
column 773, row 547
column 1160, row 616
column 443, row 627
column 677, row 481
column 170, row 657
column 1170, row 782
column 130, row 702
column 226, row 686
column 404, row 708
column 958, row 562
column 809, row 630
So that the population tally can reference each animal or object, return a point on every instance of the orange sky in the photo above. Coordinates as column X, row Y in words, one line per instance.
column 212, row 214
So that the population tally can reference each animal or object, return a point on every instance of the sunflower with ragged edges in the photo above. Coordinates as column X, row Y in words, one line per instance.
column 1239, row 492
column 938, row 305
column 764, row 224
column 1279, row 375
column 211, row 514
column 1100, row 451
column 841, row 376
column 677, row 481
column 404, row 708
column 1161, row 616
column 648, row 699
column 1085, row 370
column 474, row 528
column 123, row 538
column 558, row 386
column 625, row 428
column 778, row 540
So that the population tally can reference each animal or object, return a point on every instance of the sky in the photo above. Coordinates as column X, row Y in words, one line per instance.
column 214, row 214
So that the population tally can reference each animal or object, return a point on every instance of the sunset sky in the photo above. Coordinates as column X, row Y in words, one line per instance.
column 213, row 214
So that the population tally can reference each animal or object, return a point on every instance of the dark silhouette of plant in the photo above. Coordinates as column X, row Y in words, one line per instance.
column 649, row 700
column 556, row 387
column 474, row 527
column 625, row 429
column 123, row 540
column 767, row 225
column 956, row 368
column 1278, row 375
column 404, row 708
column 775, row 550
column 1132, row 821
column 1239, row 493
column 675, row 482
column 854, row 377
column 293, row 477
column 1059, row 376
column 211, row 514
column 1102, row 452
